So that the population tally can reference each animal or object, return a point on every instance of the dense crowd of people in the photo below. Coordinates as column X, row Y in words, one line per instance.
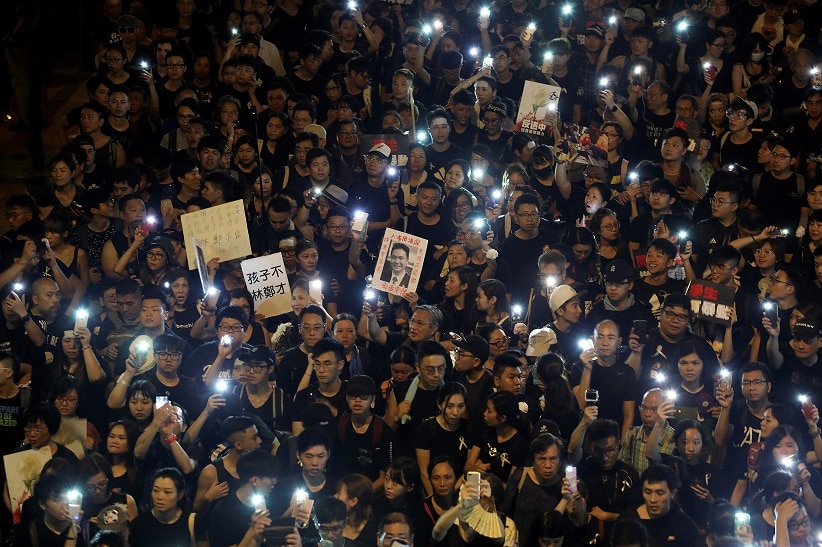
column 611, row 338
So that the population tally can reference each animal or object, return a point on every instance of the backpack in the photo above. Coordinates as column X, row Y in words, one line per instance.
column 757, row 181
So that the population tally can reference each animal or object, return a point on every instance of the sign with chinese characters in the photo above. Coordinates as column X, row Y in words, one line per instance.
column 641, row 261
column 399, row 145
column 711, row 302
column 399, row 263
column 22, row 473
column 538, row 100
column 267, row 281
column 221, row 230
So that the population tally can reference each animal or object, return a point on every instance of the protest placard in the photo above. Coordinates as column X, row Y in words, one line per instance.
column 536, row 102
column 267, row 280
column 399, row 263
column 711, row 302
column 221, row 230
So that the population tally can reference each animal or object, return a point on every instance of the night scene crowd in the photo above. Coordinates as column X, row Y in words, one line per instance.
column 550, row 378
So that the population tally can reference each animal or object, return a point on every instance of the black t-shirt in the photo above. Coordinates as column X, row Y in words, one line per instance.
column 521, row 255
column 423, row 406
column 11, row 421
column 503, row 456
column 710, row 235
column 289, row 371
column 658, row 357
column 675, row 529
column 438, row 441
column 616, row 384
column 229, row 521
column 744, row 154
column 147, row 531
column 654, row 295
column 438, row 160
column 194, row 366
column 312, row 394
column 613, row 490
column 365, row 453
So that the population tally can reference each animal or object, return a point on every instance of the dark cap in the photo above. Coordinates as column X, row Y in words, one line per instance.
column 260, row 354
column 248, row 38
column 498, row 107
column 619, row 271
column 596, row 29
column 316, row 414
column 807, row 328
column 792, row 16
column 476, row 345
column 543, row 427
column 163, row 243
column 361, row 385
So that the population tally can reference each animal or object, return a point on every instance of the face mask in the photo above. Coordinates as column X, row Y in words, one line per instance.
column 756, row 57
column 544, row 173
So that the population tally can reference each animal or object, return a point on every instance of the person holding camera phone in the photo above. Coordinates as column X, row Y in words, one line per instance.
column 244, row 519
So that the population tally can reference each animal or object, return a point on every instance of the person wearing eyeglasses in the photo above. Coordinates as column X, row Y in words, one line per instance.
column 366, row 442
column 720, row 229
column 654, row 358
column 739, row 146
column 492, row 134
column 784, row 287
column 215, row 359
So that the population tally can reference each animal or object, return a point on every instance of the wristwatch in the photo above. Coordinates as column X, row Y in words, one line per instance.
column 613, row 108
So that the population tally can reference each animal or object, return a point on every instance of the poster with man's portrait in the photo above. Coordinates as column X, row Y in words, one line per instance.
column 399, row 264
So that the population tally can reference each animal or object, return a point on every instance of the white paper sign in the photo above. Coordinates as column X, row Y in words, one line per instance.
column 221, row 230
column 267, row 280
column 400, row 262
column 536, row 102
column 22, row 472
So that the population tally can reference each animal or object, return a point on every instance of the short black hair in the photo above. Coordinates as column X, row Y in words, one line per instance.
column 327, row 345
column 257, row 463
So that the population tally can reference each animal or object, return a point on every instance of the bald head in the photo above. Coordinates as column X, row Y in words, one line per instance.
column 45, row 298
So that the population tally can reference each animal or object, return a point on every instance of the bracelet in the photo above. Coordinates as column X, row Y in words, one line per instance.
column 753, row 240
column 171, row 438
column 392, row 202
column 815, row 434
column 86, row 347
column 25, row 319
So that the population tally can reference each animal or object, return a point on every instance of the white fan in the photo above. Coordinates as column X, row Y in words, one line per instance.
column 483, row 519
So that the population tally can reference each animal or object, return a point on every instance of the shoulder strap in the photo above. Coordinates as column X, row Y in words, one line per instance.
column 277, row 402
column 757, row 180
column 35, row 539
column 191, row 517
column 525, row 471
column 723, row 139
column 342, row 426
column 800, row 185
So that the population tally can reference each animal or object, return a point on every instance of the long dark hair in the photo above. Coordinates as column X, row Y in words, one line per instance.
column 559, row 399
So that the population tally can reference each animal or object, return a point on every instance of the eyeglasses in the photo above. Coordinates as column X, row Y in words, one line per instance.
column 721, row 202
column 347, row 133
column 676, row 316
column 336, row 529
column 720, row 46
column 65, row 401
column 312, row 328
column 185, row 117
column 249, row 367
column 36, row 429
column 175, row 65
column 155, row 256
column 288, row 251
column 168, row 354
column 763, row 252
column 324, row 366
column 718, row 267
column 230, row 328
column 611, row 135
column 492, row 121
column 739, row 114
column 773, row 279
column 499, row 343
column 336, row 227
column 780, row 156
column 756, row 383
column 645, row 408
column 529, row 216
column 459, row 352
column 610, row 227
column 97, row 487
column 462, row 233
column 797, row 524
column 333, row 88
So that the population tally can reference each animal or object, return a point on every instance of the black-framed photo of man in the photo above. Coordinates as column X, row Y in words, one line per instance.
column 399, row 263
